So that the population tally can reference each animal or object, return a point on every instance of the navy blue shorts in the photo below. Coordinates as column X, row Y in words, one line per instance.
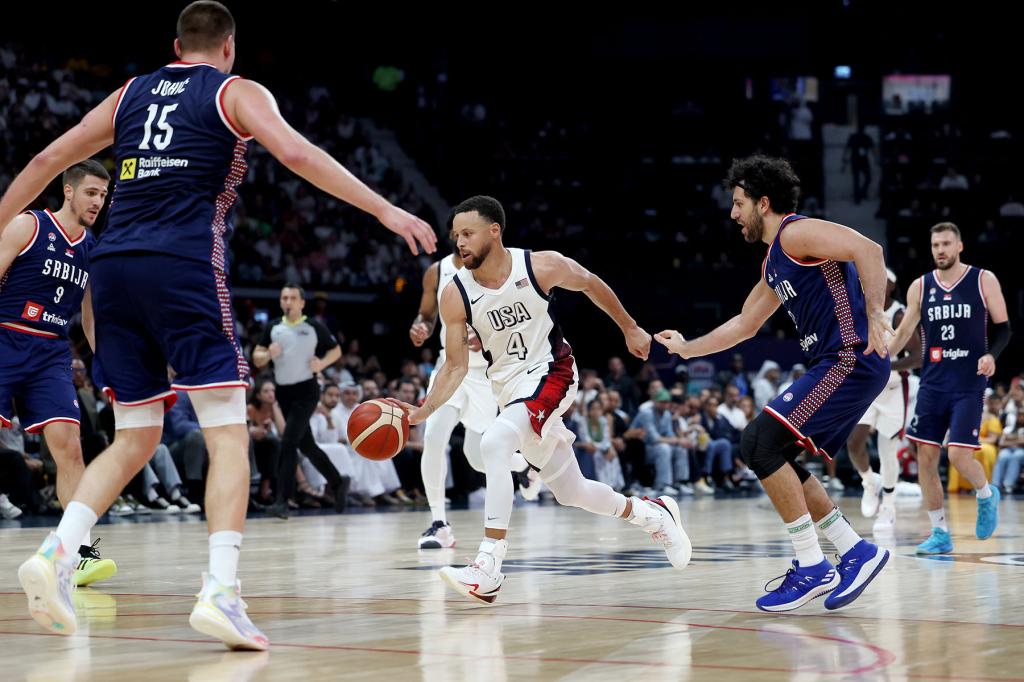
column 822, row 407
column 153, row 311
column 937, row 412
column 36, row 372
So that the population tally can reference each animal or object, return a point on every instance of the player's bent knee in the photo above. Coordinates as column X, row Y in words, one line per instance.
column 761, row 453
column 219, row 406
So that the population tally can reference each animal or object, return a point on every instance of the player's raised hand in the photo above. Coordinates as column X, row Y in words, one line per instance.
column 673, row 342
column 410, row 228
column 987, row 365
column 879, row 333
column 419, row 333
column 638, row 342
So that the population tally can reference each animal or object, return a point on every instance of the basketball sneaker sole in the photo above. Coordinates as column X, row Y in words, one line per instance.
column 210, row 621
column 38, row 578
column 819, row 591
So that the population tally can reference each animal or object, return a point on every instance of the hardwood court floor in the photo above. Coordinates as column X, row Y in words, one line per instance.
column 586, row 598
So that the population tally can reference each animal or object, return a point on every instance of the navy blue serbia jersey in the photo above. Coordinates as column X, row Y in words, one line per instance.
column 44, row 286
column 179, row 160
column 954, row 322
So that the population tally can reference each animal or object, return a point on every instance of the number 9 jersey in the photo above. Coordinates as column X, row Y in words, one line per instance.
column 43, row 288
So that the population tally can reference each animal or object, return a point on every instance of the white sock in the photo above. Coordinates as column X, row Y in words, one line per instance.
column 225, row 546
column 866, row 474
column 984, row 492
column 87, row 542
column 838, row 531
column 491, row 554
column 938, row 518
column 75, row 525
column 805, row 541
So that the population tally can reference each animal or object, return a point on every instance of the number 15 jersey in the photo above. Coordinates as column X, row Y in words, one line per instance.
column 179, row 159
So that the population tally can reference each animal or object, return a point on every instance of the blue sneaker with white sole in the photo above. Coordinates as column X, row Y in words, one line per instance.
column 799, row 586
column 988, row 514
column 939, row 542
column 856, row 569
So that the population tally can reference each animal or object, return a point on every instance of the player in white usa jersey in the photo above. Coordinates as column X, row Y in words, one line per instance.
column 888, row 415
column 472, row 404
column 505, row 296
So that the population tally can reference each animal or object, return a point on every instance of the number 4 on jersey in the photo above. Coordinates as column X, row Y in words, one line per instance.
column 516, row 346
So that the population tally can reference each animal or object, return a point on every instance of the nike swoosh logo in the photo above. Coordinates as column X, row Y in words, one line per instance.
column 531, row 371
column 473, row 302
column 490, row 518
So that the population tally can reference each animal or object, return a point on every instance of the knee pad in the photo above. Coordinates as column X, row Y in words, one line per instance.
column 764, row 446
column 218, row 406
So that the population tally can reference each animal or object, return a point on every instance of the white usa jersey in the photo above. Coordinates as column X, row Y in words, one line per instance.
column 515, row 323
column 446, row 273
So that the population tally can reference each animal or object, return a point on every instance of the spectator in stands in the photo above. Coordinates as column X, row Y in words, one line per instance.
column 664, row 448
column 722, row 439
column 954, row 181
column 858, row 156
column 1011, row 208
column 384, row 470
column 325, row 425
column 766, row 384
column 1011, row 453
column 184, row 439
column 597, row 431
column 619, row 380
column 266, row 423
column 731, row 410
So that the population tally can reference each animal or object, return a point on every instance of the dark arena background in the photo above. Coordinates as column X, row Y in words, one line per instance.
column 607, row 136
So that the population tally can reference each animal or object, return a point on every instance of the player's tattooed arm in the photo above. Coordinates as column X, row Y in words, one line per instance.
column 423, row 326
column 552, row 269
column 456, row 364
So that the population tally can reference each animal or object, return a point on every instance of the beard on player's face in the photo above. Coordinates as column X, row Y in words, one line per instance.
column 473, row 261
column 945, row 261
column 753, row 226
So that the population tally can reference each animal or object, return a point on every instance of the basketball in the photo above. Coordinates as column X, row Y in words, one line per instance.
column 378, row 429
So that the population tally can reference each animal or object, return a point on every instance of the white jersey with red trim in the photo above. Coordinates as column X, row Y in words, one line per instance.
column 445, row 274
column 515, row 322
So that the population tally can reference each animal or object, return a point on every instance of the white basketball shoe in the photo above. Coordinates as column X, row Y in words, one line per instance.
column 482, row 579
column 660, row 518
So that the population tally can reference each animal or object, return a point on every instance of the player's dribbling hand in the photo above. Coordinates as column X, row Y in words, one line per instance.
column 410, row 410
column 987, row 365
column 673, row 342
column 638, row 342
column 879, row 333
column 410, row 228
column 418, row 333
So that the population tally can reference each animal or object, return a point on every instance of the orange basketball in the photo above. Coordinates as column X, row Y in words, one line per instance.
column 378, row 429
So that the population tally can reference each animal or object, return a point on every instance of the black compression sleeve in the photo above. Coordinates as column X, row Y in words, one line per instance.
column 1000, row 338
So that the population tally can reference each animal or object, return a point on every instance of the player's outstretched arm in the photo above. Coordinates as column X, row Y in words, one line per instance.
column 552, row 269
column 812, row 238
column 913, row 360
column 94, row 132
column 254, row 109
column 456, row 365
column 759, row 306
column 911, row 320
column 423, row 326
